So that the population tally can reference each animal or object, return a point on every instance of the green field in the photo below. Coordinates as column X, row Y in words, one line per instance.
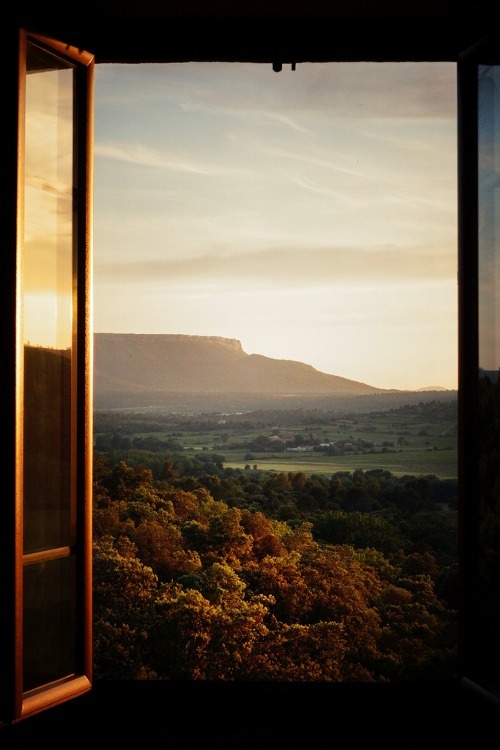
column 417, row 439
column 442, row 464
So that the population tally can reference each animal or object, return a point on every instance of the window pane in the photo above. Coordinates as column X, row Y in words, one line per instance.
column 47, row 288
column 489, row 219
column 49, row 621
column 488, row 615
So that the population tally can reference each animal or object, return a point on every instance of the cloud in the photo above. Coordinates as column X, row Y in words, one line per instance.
column 364, row 89
column 138, row 154
column 291, row 268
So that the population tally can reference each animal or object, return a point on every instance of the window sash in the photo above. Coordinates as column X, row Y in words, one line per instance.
column 52, row 544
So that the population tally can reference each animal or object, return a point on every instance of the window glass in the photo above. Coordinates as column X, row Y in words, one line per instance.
column 47, row 287
column 49, row 621
column 488, row 615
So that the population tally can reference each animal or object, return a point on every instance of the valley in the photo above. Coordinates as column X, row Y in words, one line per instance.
column 414, row 439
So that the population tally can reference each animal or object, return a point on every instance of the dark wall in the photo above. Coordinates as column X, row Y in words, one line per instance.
column 265, row 30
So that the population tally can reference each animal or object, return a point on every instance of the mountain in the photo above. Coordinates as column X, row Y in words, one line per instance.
column 207, row 372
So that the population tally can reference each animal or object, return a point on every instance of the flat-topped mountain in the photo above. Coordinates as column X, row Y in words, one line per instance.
column 180, row 371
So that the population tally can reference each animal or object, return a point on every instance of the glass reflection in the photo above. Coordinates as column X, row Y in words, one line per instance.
column 49, row 621
column 47, row 290
column 488, row 588
column 47, row 287
column 48, row 228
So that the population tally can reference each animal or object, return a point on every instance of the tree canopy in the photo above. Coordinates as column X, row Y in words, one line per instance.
column 189, row 586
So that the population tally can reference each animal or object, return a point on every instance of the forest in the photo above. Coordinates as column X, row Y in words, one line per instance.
column 209, row 572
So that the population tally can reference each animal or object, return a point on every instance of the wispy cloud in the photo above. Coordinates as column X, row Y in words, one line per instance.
column 138, row 154
column 296, row 268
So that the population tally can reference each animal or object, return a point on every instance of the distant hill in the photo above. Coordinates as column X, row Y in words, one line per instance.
column 432, row 388
column 194, row 372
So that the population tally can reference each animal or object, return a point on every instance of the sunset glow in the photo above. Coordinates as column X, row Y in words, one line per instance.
column 310, row 214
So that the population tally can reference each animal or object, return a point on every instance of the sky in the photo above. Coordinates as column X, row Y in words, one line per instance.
column 311, row 213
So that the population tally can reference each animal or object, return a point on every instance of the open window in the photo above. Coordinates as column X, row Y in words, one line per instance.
column 46, row 563
column 479, row 365
column 45, row 524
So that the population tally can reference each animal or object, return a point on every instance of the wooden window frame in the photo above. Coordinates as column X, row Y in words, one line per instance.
column 15, row 703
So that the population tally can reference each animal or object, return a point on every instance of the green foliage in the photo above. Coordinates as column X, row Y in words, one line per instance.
column 361, row 530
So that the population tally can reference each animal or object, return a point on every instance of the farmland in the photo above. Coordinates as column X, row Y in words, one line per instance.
column 417, row 439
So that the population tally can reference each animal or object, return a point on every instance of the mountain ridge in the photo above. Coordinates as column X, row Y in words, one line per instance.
column 176, row 370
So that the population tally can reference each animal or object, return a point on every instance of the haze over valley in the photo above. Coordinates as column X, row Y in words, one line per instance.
column 213, row 373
